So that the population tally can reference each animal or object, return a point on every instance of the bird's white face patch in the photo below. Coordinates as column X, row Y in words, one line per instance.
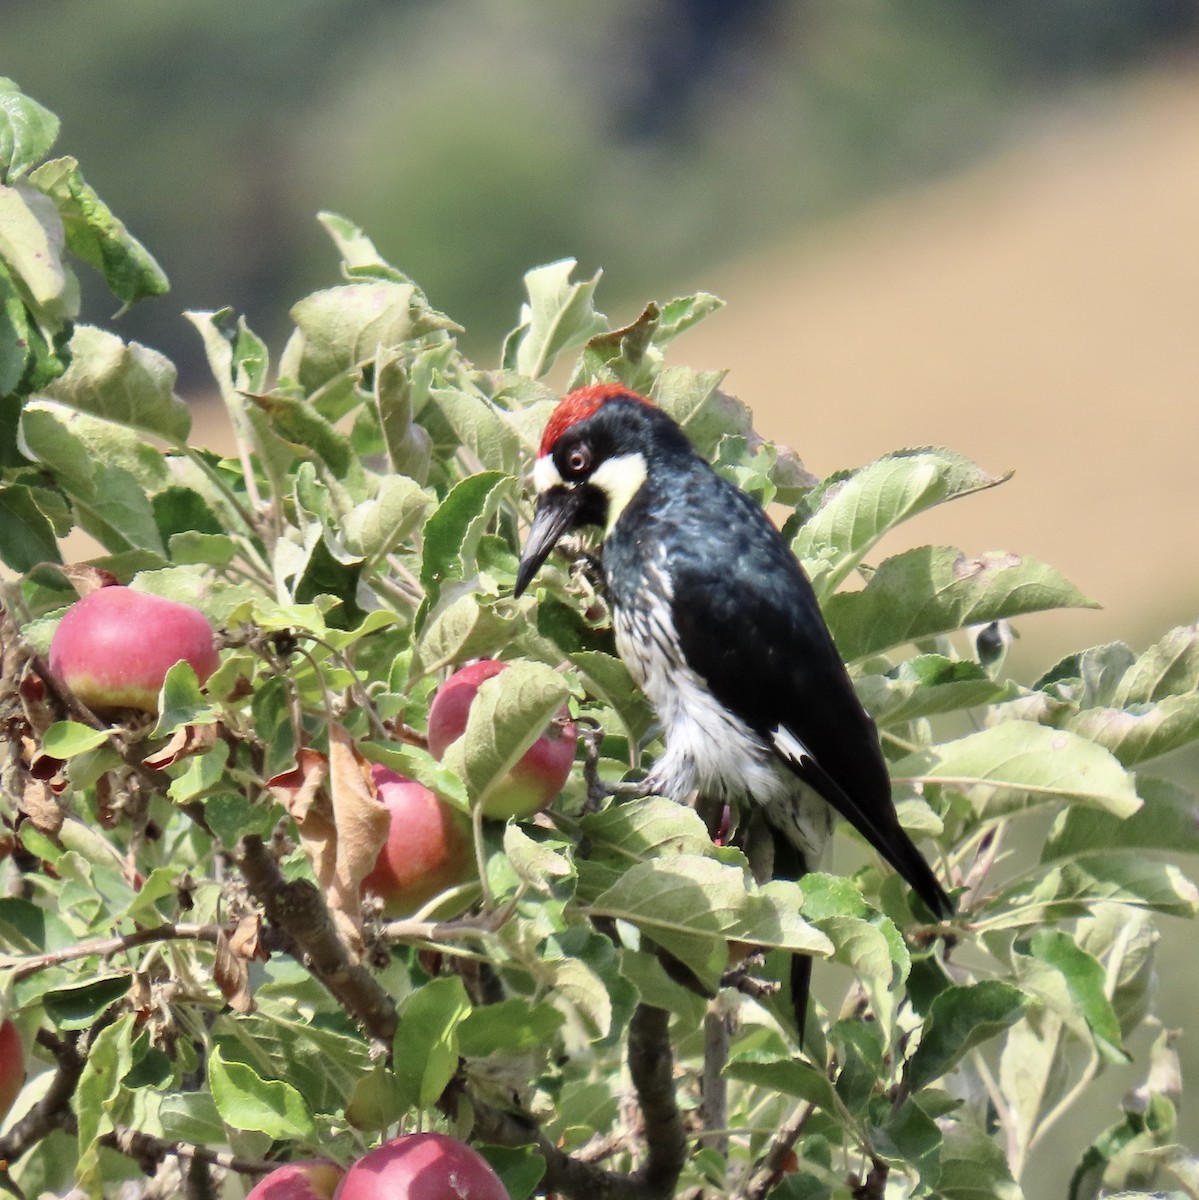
column 545, row 474
column 619, row 478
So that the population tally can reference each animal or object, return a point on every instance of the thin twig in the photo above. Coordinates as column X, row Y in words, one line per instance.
column 713, row 1085
column 135, row 1144
column 773, row 1164
column 107, row 947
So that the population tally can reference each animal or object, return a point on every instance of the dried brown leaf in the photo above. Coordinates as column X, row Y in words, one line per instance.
column 41, row 806
column 232, row 975
column 361, row 820
column 246, row 939
column 184, row 742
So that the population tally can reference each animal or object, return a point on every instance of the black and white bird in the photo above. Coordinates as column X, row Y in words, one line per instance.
column 719, row 626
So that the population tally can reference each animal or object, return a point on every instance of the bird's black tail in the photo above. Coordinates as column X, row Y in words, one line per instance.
column 883, row 831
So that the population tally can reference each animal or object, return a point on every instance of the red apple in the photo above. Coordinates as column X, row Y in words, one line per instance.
column 422, row 1166
column 429, row 846
column 537, row 778
column 316, row 1179
column 114, row 647
column 12, row 1066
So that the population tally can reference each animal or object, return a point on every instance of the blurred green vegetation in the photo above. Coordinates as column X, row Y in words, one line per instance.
column 473, row 140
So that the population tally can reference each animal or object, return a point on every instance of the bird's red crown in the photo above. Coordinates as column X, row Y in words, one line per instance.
column 580, row 405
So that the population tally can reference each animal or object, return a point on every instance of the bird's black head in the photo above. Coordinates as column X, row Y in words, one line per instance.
column 595, row 455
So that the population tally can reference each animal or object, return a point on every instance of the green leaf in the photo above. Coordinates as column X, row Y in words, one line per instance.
column 790, row 1076
column 1137, row 736
column 66, row 739
column 1167, row 820
column 376, row 1101
column 191, row 1117
column 637, row 831
column 201, row 549
column 558, row 315
column 464, row 629
column 850, row 513
column 960, row 1018
column 31, row 243
column 77, row 1005
column 343, row 327
column 479, row 426
column 622, row 355
column 607, row 678
column 1034, row 1071
column 96, row 236
column 1125, row 877
column 247, row 1101
column 1085, row 981
column 27, row 131
column 973, row 1167
column 426, row 1041
column 1015, row 764
column 107, row 471
column 1169, row 668
column 929, row 685
column 513, row 1026
column 30, row 357
column 680, row 314
column 453, row 531
column 534, row 862
column 95, row 1099
column 383, row 524
column 693, row 906
column 397, row 385
column 573, row 984
column 306, row 432
column 28, row 929
column 1125, row 941
column 862, row 938
column 356, row 249
column 26, row 533
column 695, row 400
column 509, row 713
column 936, row 589
column 520, row 1168
column 180, row 701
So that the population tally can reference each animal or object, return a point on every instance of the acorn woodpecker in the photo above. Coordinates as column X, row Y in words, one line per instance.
column 718, row 624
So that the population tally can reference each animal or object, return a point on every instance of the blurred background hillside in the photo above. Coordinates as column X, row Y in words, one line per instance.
column 934, row 220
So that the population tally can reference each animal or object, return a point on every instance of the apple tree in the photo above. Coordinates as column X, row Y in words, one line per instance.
column 197, row 989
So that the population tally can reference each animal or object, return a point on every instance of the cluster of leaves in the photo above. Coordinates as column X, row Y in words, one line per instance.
column 184, row 940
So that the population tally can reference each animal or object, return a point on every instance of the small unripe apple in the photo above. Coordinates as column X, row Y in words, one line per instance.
column 537, row 778
column 12, row 1066
column 422, row 1166
column 316, row 1179
column 429, row 847
column 114, row 647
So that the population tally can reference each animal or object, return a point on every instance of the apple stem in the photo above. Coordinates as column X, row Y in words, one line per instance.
column 476, row 821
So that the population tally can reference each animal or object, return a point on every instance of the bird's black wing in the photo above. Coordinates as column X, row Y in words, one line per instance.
column 749, row 624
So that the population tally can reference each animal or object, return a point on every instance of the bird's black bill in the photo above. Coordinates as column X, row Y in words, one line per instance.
column 556, row 514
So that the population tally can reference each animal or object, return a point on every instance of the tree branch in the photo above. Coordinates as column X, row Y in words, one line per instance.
column 143, row 1146
column 299, row 910
column 107, row 947
column 773, row 1164
column 651, row 1066
column 53, row 1110
column 713, row 1086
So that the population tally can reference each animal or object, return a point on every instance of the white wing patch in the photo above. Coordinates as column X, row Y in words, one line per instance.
column 790, row 747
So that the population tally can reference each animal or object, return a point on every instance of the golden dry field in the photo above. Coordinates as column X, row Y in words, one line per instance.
column 1039, row 313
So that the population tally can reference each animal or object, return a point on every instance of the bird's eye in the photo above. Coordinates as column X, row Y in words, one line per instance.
column 578, row 460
